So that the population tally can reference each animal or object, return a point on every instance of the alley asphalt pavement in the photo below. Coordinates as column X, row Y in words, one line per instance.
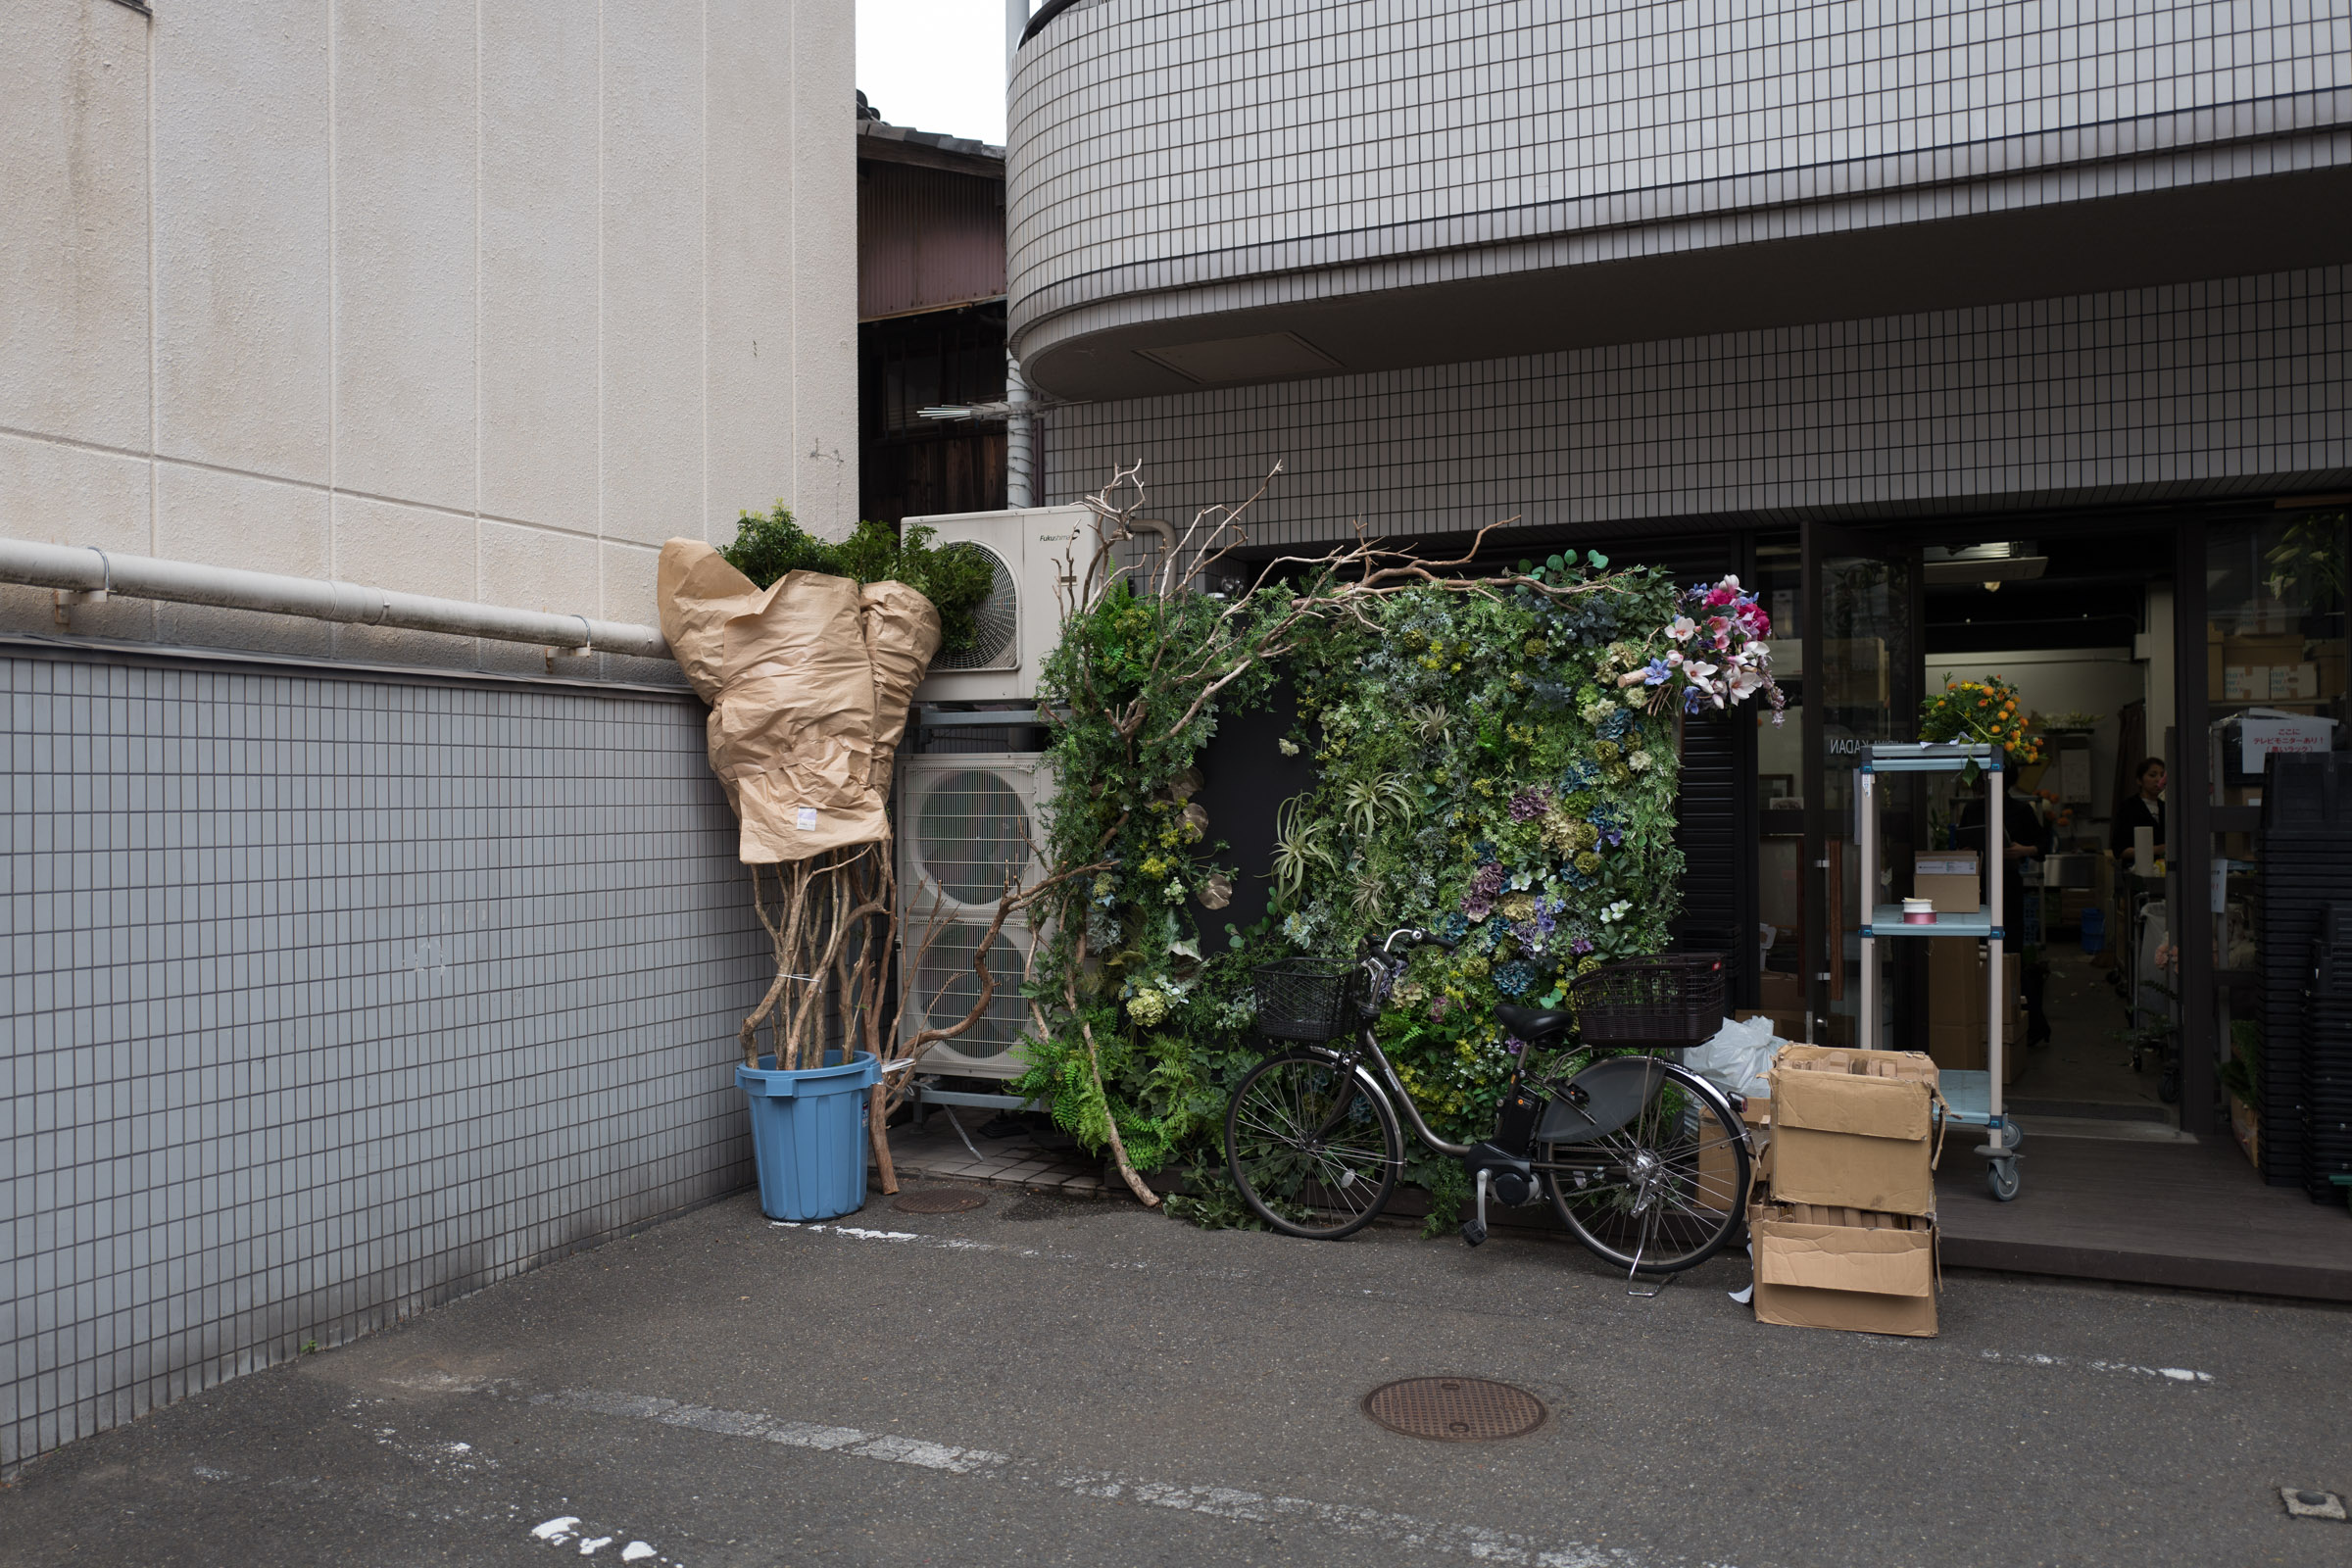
column 1054, row 1381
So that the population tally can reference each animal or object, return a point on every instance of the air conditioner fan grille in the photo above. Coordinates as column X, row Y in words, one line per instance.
column 996, row 620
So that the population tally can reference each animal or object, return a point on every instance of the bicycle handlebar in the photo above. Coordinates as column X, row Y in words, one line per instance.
column 1415, row 936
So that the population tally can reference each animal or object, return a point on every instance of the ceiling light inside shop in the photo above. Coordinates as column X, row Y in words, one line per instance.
column 2008, row 560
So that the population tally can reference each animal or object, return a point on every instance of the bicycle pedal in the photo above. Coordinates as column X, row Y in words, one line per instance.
column 1474, row 1231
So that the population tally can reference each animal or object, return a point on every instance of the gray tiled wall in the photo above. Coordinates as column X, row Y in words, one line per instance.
column 2235, row 385
column 1257, row 145
column 330, row 996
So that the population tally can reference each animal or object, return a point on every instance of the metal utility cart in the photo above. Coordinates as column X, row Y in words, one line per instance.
column 1974, row 1097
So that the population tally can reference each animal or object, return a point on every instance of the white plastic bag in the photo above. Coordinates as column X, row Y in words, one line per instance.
column 1738, row 1058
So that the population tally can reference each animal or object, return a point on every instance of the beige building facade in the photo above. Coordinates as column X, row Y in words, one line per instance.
column 349, row 970
column 476, row 301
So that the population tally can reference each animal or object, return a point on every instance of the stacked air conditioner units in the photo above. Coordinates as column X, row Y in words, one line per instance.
column 970, row 823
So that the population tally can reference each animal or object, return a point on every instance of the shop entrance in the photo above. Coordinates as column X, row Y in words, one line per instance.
column 2132, row 1034
column 2077, row 631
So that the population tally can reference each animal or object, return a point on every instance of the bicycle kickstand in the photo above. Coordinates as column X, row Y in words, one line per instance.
column 1632, row 1275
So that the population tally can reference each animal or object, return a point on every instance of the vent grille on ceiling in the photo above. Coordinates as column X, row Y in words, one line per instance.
column 996, row 644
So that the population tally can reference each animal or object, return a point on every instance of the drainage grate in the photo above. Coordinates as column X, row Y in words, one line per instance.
column 938, row 1201
column 1455, row 1409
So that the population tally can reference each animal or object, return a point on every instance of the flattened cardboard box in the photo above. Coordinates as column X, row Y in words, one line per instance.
column 1848, row 1137
column 1868, row 1281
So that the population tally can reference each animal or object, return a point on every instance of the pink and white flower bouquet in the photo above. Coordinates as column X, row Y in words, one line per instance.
column 1714, row 655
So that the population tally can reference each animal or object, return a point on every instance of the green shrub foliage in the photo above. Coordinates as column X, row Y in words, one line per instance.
column 768, row 546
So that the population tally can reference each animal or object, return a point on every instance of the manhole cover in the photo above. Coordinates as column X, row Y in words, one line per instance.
column 1454, row 1410
column 938, row 1201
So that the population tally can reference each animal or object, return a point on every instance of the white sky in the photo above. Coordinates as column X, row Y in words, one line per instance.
column 935, row 65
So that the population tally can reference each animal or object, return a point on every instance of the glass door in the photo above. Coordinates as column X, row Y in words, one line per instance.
column 1862, row 608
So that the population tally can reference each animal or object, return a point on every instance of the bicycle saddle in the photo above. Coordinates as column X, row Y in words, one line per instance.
column 1537, row 1028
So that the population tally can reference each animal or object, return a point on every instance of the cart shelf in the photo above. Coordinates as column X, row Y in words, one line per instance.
column 1976, row 1097
column 1887, row 921
column 1929, row 757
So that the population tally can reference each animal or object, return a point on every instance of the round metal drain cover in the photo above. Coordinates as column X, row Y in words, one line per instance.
column 1455, row 1409
column 938, row 1201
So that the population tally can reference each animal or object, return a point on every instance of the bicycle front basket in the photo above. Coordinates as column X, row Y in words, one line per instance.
column 1306, row 998
column 1673, row 1000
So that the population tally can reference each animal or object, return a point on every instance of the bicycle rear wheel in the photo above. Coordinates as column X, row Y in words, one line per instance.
column 1313, row 1149
column 1666, row 1189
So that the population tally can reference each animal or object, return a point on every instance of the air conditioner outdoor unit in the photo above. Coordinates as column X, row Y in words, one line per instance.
column 1020, row 621
column 968, row 822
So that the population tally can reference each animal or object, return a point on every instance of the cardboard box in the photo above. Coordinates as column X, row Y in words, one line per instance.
column 1860, row 1278
column 2266, row 648
column 1852, row 1129
column 2269, row 683
column 1956, row 1033
column 1783, row 995
column 1948, row 879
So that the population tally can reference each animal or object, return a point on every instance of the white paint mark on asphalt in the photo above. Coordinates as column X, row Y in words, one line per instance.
column 563, row 1530
column 2169, row 1374
column 846, row 1230
column 959, row 1243
column 1475, row 1541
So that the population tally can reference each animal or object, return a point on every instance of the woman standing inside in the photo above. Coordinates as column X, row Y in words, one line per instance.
column 2144, row 810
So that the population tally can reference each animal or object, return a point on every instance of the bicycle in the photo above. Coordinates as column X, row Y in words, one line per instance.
column 1646, row 1162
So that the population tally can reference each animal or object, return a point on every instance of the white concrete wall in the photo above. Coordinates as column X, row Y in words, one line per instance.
column 462, row 297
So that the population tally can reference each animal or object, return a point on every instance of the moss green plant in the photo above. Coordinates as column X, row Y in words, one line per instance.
column 769, row 545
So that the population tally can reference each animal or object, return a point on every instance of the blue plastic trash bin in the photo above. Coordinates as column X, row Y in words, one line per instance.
column 808, row 1136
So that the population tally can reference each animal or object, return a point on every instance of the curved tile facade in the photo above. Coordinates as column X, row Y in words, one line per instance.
column 1168, row 160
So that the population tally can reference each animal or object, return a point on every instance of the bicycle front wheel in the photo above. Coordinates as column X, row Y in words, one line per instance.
column 1313, row 1149
column 1663, row 1192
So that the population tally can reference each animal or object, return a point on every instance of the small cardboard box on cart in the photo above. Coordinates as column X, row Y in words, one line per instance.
column 1845, row 1235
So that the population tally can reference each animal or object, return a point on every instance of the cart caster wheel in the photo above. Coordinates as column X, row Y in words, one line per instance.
column 2000, row 1178
column 2015, row 1135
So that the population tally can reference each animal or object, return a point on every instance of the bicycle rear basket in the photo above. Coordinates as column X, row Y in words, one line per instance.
column 1672, row 1001
column 1306, row 998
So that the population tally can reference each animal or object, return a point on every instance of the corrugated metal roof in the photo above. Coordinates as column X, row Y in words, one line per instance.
column 930, row 226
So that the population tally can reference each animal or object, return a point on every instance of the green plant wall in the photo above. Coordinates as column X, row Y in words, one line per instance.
column 1498, row 763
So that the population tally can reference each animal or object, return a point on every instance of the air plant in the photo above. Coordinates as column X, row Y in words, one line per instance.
column 1369, row 800
column 1300, row 850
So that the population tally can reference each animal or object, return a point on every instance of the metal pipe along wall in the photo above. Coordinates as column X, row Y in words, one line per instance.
column 89, row 569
